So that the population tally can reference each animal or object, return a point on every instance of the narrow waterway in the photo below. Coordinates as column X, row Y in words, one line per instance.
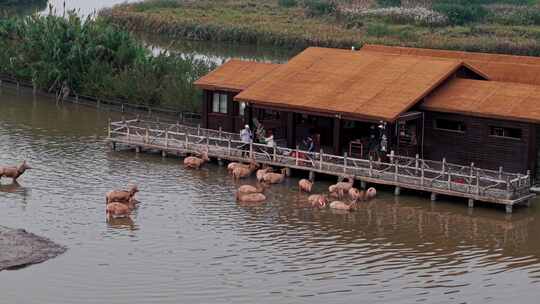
column 190, row 242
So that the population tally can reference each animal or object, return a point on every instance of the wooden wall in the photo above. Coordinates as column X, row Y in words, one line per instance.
column 230, row 122
column 476, row 145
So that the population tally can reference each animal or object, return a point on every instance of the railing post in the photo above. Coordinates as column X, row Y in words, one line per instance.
column 146, row 139
column 128, row 136
column 528, row 179
column 187, row 140
column 449, row 180
column 422, row 173
column 345, row 163
column 109, row 129
column 416, row 159
column 371, row 166
column 199, row 130
column 220, row 132
column 508, row 190
column 251, row 150
column 296, row 154
column 274, row 154
column 395, row 169
column 477, row 181
column 500, row 172
column 321, row 159
column 207, row 143
column 229, row 147
column 167, row 138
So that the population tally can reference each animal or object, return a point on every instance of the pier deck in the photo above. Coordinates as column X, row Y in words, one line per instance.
column 436, row 177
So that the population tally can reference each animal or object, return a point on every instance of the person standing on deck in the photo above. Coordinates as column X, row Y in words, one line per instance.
column 246, row 137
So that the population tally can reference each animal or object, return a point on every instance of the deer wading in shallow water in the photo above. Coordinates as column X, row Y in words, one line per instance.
column 14, row 172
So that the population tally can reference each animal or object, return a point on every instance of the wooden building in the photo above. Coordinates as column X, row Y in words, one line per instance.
column 464, row 107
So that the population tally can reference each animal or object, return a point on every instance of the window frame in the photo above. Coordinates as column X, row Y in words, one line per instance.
column 220, row 106
column 462, row 123
column 505, row 130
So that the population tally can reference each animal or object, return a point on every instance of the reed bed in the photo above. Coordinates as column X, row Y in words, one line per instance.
column 93, row 58
column 506, row 26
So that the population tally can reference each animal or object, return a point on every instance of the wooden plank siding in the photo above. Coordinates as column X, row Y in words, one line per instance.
column 229, row 122
column 475, row 145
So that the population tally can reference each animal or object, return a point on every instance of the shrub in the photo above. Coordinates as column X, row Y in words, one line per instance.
column 514, row 14
column 319, row 7
column 378, row 30
column 288, row 3
column 389, row 3
column 417, row 15
column 461, row 13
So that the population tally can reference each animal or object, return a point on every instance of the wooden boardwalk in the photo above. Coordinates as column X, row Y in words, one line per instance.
column 436, row 177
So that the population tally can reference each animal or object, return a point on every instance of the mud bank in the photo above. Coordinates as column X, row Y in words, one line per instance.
column 19, row 248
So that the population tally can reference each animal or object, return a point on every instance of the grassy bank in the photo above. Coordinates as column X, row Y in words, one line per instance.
column 94, row 58
column 500, row 26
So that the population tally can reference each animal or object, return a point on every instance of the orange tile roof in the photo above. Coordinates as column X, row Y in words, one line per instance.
column 353, row 84
column 492, row 99
column 508, row 68
column 235, row 75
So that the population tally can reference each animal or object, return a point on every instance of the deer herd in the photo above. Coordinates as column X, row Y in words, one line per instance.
column 342, row 195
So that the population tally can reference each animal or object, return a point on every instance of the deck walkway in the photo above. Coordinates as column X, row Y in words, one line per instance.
column 436, row 177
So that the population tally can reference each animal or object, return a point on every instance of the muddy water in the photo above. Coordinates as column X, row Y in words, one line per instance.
column 190, row 242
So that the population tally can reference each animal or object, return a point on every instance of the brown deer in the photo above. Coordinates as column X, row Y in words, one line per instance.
column 193, row 162
column 14, row 172
column 261, row 172
column 338, row 205
column 252, row 198
column 357, row 195
column 275, row 178
column 305, row 185
column 317, row 201
column 122, row 196
column 241, row 172
column 117, row 210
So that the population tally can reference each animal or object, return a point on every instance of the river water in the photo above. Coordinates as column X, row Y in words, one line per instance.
column 190, row 242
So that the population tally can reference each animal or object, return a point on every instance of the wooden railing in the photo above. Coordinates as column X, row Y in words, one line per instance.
column 411, row 172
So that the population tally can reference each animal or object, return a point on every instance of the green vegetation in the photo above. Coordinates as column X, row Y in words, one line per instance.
column 93, row 58
column 21, row 2
column 500, row 26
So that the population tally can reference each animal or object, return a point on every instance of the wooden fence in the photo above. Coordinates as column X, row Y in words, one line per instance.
column 437, row 177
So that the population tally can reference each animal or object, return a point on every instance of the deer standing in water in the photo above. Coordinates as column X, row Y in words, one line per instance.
column 14, row 172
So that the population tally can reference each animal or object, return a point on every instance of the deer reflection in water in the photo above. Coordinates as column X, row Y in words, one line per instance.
column 121, row 223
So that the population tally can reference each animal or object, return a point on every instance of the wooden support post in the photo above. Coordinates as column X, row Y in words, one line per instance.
column 137, row 149
column 167, row 139
column 146, row 136
column 363, row 184
column 163, row 153
column 471, row 203
column 128, row 136
column 221, row 163
column 251, row 150
column 113, row 145
column 274, row 154
column 397, row 191
column 344, row 163
column 76, row 98
column 416, row 163
column 207, row 143
column 370, row 165
column 187, row 141
column 449, row 180
column 287, row 171
column 220, row 131
column 198, row 130
column 433, row 196
column 509, row 209
column 34, row 88
column 312, row 176
column 500, row 172
column 229, row 147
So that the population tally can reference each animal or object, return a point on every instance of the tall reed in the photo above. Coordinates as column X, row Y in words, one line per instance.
column 91, row 57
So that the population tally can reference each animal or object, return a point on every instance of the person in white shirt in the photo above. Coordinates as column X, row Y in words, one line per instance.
column 245, row 135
